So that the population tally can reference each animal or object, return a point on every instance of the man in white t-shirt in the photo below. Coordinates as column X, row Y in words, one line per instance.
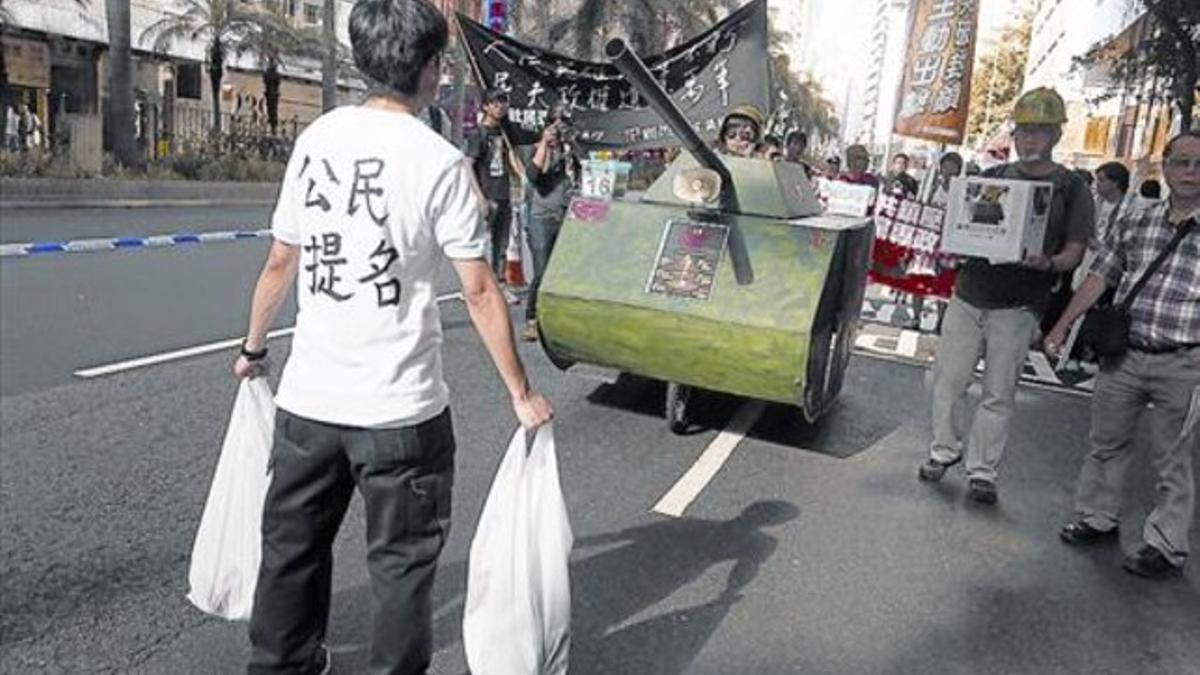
column 372, row 201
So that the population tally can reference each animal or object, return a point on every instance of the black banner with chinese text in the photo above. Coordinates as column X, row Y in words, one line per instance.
column 724, row 67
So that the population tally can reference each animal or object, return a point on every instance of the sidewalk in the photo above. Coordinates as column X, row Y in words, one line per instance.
column 47, row 193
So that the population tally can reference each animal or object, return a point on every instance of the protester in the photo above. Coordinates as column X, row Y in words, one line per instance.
column 940, row 283
column 1112, row 182
column 858, row 167
column 950, row 166
column 29, row 128
column 550, row 168
column 833, row 167
column 770, row 149
column 372, row 201
column 795, row 146
column 436, row 118
column 491, row 157
column 741, row 131
column 898, row 182
column 995, row 308
column 12, row 129
column 1161, row 368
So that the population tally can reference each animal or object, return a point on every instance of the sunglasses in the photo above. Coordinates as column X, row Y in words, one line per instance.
column 741, row 130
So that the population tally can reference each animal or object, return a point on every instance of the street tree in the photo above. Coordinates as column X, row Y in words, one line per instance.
column 998, row 79
column 120, row 89
column 799, row 102
column 580, row 27
column 329, row 56
column 272, row 43
column 224, row 24
column 1168, row 52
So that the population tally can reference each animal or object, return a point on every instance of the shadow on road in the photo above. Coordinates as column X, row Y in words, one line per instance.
column 615, row 578
column 865, row 412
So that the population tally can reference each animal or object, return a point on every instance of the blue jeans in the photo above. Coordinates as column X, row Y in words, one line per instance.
column 541, row 231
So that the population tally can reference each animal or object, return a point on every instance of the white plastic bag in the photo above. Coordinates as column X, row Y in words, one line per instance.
column 228, row 545
column 518, row 613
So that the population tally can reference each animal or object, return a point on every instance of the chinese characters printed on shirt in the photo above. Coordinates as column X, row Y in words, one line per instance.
column 324, row 255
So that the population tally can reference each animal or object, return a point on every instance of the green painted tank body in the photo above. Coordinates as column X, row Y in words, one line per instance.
column 784, row 336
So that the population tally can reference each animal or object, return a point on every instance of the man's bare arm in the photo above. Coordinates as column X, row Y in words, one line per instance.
column 489, row 314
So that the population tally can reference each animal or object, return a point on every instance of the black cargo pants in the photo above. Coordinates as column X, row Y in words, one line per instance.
column 405, row 476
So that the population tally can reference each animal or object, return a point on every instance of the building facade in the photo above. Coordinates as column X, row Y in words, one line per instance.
column 56, row 56
column 1131, row 126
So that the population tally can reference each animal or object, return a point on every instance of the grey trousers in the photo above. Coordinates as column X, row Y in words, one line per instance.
column 1001, row 337
column 405, row 476
column 1172, row 383
column 542, row 232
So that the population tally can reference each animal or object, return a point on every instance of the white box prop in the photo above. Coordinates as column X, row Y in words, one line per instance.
column 845, row 199
column 997, row 219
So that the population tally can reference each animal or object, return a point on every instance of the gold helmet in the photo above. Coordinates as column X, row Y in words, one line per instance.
column 1040, row 106
column 750, row 112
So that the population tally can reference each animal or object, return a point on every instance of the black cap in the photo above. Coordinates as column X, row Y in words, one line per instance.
column 495, row 94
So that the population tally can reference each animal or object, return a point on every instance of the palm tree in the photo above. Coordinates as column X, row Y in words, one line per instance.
column 648, row 24
column 271, row 43
column 225, row 24
column 329, row 56
column 120, row 74
column 5, row 19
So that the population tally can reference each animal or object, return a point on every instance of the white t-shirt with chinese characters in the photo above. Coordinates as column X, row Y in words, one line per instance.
column 375, row 200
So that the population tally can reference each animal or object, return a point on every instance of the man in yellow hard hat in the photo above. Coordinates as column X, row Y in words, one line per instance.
column 995, row 310
column 741, row 131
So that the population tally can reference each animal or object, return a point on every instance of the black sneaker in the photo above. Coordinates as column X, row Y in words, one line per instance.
column 982, row 491
column 1149, row 563
column 933, row 470
column 1079, row 533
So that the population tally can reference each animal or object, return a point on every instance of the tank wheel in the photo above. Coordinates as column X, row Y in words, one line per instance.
column 678, row 396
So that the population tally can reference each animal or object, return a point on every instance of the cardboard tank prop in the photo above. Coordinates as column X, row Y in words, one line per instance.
column 723, row 277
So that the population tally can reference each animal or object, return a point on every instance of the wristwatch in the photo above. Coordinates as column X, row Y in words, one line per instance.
column 253, row 356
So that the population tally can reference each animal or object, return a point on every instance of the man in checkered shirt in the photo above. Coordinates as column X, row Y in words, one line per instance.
column 1162, row 367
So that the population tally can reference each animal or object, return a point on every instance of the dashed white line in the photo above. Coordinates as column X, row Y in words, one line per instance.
column 685, row 491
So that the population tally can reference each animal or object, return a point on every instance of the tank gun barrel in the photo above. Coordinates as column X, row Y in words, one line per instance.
column 635, row 71
column 631, row 66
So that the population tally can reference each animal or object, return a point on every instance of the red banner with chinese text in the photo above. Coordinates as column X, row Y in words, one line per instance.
column 908, row 248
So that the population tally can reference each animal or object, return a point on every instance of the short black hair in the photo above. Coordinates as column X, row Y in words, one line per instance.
column 1179, row 137
column 1115, row 172
column 1086, row 176
column 1150, row 189
column 772, row 139
column 901, row 155
column 393, row 41
column 796, row 135
column 493, row 95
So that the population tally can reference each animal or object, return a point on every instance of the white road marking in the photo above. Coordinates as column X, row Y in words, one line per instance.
column 100, row 371
column 156, row 359
column 685, row 491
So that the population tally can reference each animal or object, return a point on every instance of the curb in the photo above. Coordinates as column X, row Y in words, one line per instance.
column 115, row 243
column 132, row 203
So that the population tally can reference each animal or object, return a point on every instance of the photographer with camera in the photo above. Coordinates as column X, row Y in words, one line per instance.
column 551, row 167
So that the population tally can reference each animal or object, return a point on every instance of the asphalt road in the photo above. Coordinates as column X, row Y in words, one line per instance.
column 813, row 550
column 18, row 226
